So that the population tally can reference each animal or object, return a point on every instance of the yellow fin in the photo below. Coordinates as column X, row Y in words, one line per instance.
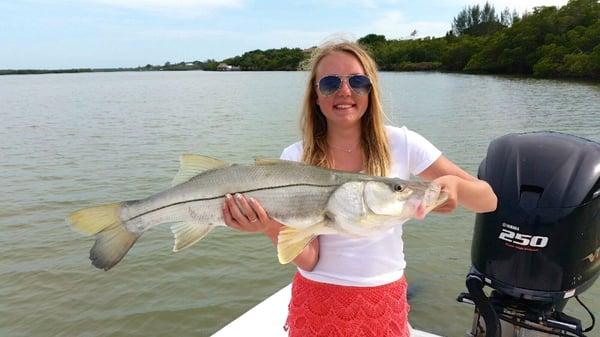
column 95, row 219
column 271, row 161
column 291, row 242
column 188, row 233
column 111, row 245
column 190, row 165
column 113, row 240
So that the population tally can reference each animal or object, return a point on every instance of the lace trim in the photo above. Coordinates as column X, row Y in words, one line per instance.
column 321, row 309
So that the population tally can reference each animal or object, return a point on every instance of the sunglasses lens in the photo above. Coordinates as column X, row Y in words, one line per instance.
column 329, row 85
column 360, row 84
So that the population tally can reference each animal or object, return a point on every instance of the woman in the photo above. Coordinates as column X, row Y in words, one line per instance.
column 355, row 286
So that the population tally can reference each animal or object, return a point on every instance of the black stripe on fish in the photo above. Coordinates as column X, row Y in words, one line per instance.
column 222, row 196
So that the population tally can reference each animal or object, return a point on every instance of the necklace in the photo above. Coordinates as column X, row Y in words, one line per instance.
column 347, row 150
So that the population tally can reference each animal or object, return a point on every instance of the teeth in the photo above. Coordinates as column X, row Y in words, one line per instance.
column 343, row 106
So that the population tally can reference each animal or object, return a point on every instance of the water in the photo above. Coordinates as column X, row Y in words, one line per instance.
column 73, row 140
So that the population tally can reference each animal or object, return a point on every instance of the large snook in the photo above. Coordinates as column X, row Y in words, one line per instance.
column 308, row 200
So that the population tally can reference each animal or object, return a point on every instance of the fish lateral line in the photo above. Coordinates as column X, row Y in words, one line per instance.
column 223, row 196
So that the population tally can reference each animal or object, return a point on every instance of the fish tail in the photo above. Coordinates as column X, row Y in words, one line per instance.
column 95, row 219
column 113, row 240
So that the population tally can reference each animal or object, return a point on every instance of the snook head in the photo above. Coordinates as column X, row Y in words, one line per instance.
column 365, row 207
column 400, row 198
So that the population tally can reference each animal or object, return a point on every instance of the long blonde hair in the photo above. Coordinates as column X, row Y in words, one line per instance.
column 374, row 143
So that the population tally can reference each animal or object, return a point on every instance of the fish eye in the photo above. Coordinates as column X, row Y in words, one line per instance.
column 398, row 188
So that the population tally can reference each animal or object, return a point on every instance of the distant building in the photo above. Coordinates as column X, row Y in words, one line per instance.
column 227, row 67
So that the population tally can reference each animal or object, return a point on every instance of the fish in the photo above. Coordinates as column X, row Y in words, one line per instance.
column 308, row 200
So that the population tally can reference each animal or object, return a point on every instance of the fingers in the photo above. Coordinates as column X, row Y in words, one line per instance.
column 259, row 210
column 239, row 213
column 229, row 221
column 246, row 210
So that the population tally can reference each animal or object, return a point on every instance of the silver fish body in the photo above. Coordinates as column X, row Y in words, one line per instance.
column 308, row 200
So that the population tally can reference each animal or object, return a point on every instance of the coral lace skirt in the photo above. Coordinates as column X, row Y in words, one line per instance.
column 322, row 309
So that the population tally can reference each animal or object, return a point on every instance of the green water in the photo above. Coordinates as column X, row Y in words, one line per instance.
column 73, row 140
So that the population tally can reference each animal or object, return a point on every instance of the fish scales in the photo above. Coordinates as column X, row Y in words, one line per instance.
column 307, row 200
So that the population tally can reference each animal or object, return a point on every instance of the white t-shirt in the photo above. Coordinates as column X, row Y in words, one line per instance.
column 375, row 260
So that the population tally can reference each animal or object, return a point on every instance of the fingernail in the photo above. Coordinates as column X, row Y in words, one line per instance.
column 252, row 200
column 228, row 196
column 239, row 196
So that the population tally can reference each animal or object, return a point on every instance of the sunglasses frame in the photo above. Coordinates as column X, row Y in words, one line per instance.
column 343, row 78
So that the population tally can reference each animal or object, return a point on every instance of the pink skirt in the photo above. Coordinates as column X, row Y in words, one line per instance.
column 323, row 309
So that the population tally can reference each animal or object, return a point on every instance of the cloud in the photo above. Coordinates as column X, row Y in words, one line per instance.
column 356, row 3
column 393, row 25
column 179, row 7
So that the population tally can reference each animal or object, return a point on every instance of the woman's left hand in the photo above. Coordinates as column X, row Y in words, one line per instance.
column 449, row 185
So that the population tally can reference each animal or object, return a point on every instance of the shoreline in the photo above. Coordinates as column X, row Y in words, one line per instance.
column 7, row 72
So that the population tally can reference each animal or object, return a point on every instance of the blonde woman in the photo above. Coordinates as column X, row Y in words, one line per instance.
column 355, row 286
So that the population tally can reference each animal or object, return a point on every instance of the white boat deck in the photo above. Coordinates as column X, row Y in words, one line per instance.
column 268, row 317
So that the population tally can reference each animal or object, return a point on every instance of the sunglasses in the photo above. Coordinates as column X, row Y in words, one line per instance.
column 330, row 84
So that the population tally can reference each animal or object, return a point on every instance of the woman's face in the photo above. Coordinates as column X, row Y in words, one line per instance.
column 343, row 108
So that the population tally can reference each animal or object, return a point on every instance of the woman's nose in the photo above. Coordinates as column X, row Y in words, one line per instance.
column 344, row 88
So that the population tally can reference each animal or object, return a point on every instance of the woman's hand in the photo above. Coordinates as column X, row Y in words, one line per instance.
column 462, row 188
column 249, row 216
column 449, row 184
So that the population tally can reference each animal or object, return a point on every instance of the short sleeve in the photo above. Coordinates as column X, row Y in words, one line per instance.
column 292, row 152
column 421, row 152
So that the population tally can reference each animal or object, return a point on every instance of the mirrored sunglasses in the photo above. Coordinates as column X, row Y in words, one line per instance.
column 330, row 84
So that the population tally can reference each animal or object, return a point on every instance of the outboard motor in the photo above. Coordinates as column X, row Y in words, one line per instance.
column 542, row 244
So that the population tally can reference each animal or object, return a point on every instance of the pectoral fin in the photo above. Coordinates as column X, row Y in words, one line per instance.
column 291, row 241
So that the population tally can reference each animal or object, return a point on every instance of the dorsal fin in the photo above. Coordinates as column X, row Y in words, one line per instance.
column 190, row 165
column 271, row 161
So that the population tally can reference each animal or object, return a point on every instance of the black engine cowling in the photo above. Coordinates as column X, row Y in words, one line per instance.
column 543, row 241
column 542, row 244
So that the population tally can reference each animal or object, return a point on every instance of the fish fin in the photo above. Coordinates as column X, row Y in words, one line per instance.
column 270, row 161
column 190, row 165
column 291, row 242
column 111, row 245
column 95, row 219
column 188, row 233
column 113, row 240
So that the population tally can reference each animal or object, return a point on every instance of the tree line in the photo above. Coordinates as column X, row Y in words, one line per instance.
column 547, row 42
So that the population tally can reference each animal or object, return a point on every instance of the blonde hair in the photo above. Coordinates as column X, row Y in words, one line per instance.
column 374, row 143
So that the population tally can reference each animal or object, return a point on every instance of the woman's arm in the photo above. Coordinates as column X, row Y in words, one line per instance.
column 462, row 188
column 249, row 216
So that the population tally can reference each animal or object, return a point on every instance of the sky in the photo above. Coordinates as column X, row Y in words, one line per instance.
column 58, row 34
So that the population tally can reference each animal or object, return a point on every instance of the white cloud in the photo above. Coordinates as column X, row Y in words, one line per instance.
column 179, row 7
column 393, row 25
column 357, row 3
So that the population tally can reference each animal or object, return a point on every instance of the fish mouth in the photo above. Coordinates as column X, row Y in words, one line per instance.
column 433, row 198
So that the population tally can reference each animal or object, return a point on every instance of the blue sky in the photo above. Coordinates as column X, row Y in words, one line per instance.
column 120, row 33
